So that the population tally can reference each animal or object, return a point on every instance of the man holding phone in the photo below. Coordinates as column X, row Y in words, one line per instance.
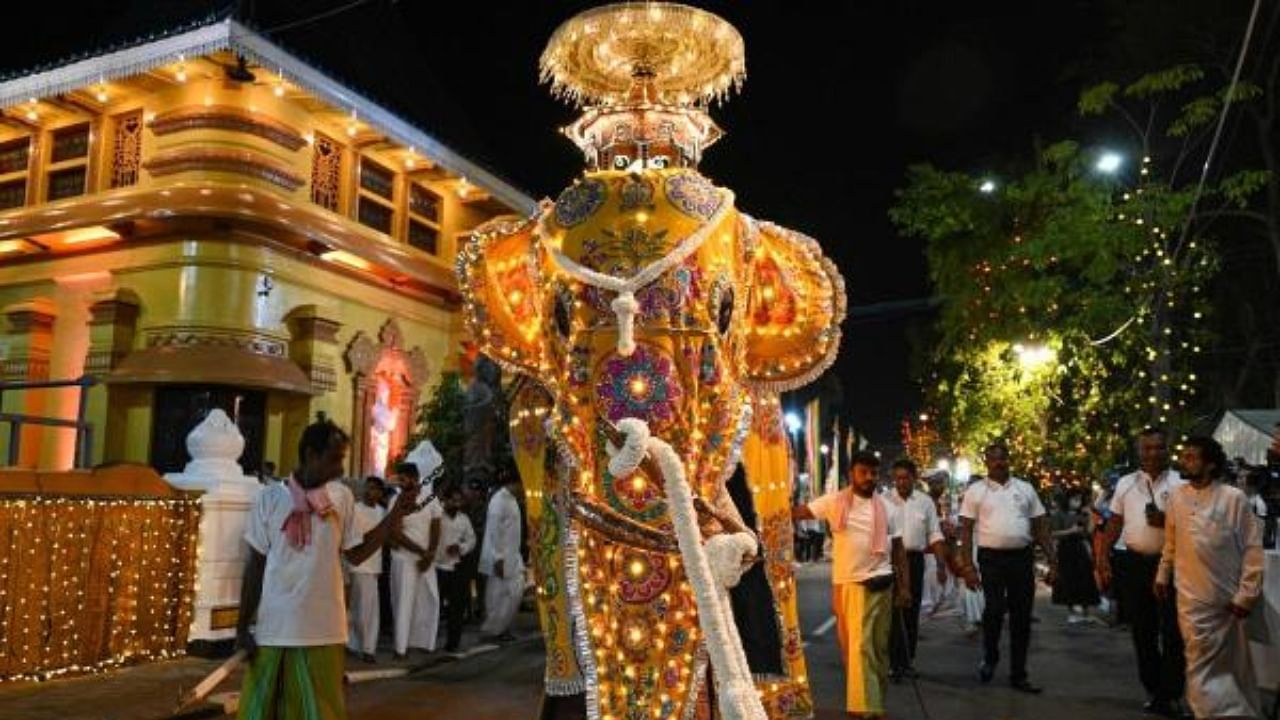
column 1138, row 514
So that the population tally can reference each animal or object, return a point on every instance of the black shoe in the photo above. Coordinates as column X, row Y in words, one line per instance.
column 985, row 672
column 1026, row 687
column 1163, row 708
column 910, row 673
column 506, row 637
column 895, row 676
column 369, row 658
column 400, row 657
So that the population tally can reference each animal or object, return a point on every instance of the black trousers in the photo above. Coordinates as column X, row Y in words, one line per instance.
column 1008, row 585
column 905, row 629
column 455, row 591
column 1154, row 626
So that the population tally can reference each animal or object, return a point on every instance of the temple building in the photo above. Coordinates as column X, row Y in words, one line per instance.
column 203, row 220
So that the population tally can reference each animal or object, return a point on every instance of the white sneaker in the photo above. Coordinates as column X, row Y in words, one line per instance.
column 1074, row 619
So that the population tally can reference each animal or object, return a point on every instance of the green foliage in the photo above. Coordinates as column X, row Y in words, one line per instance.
column 1195, row 114
column 1096, row 100
column 1239, row 188
column 1090, row 266
column 1163, row 82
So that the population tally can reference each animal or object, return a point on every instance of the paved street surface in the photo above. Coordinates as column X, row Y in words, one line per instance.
column 1087, row 671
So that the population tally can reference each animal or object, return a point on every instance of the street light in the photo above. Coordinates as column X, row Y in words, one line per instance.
column 987, row 187
column 824, row 449
column 793, row 422
column 1109, row 162
column 1034, row 356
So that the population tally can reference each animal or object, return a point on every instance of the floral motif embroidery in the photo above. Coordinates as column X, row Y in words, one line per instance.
column 643, row 385
column 579, row 202
column 641, row 577
column 693, row 195
column 636, row 192
column 635, row 496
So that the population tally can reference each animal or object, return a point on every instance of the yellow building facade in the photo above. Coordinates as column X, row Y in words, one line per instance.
column 204, row 220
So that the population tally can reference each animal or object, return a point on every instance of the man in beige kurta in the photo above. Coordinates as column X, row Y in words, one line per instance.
column 1213, row 549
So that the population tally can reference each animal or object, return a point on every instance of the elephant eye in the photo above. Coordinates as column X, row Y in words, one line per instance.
column 658, row 161
column 561, row 313
column 724, row 313
column 621, row 162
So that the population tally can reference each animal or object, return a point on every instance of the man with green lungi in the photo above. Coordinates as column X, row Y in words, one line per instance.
column 298, row 531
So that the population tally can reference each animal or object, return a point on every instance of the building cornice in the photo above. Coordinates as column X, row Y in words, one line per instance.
column 226, row 34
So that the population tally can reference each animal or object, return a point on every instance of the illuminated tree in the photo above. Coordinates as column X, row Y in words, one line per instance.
column 1074, row 291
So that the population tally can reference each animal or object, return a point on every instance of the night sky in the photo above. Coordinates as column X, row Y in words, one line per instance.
column 839, row 100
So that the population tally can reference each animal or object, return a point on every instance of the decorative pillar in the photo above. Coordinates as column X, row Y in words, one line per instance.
column 113, row 320
column 215, row 446
column 314, row 345
column 30, row 342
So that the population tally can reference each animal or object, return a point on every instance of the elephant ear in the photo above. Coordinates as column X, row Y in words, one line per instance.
column 498, row 273
column 794, row 309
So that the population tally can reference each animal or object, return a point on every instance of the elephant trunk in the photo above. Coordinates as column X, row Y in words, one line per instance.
column 736, row 694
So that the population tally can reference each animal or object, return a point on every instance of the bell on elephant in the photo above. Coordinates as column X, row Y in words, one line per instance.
column 651, row 325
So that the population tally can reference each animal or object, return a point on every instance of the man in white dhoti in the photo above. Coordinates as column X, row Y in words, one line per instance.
column 1213, row 550
column 362, row 602
column 500, row 560
column 415, row 596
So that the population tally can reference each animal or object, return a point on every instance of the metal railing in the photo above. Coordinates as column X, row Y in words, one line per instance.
column 83, row 428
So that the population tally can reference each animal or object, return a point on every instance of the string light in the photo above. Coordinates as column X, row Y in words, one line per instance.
column 145, row 584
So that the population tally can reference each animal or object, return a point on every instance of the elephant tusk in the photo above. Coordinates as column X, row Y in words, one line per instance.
column 625, row 307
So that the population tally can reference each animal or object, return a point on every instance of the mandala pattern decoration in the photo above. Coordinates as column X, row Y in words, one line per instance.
column 643, row 385
column 642, row 576
column 693, row 195
column 637, row 497
column 579, row 202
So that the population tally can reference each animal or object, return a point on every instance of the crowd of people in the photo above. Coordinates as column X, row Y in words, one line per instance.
column 318, row 581
column 1175, row 554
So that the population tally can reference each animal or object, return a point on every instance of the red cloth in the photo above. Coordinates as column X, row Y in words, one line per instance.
column 297, row 527
column 879, row 520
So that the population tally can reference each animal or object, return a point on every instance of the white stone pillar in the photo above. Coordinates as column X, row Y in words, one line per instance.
column 215, row 446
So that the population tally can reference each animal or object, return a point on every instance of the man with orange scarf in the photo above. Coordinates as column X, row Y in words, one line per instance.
column 297, row 532
column 868, row 554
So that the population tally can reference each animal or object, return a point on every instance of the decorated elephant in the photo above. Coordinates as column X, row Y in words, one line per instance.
column 652, row 326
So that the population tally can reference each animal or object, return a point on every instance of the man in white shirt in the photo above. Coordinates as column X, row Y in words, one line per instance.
column 362, row 600
column 1138, row 520
column 867, row 553
column 298, row 532
column 415, row 594
column 1008, row 516
column 456, row 539
column 1213, row 557
column 500, row 560
column 921, row 532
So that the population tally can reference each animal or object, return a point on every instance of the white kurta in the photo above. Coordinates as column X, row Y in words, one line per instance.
column 1213, row 548
column 502, row 544
column 415, row 595
column 362, row 597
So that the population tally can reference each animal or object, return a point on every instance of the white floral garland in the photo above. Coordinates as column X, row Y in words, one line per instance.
column 625, row 306
column 712, row 569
